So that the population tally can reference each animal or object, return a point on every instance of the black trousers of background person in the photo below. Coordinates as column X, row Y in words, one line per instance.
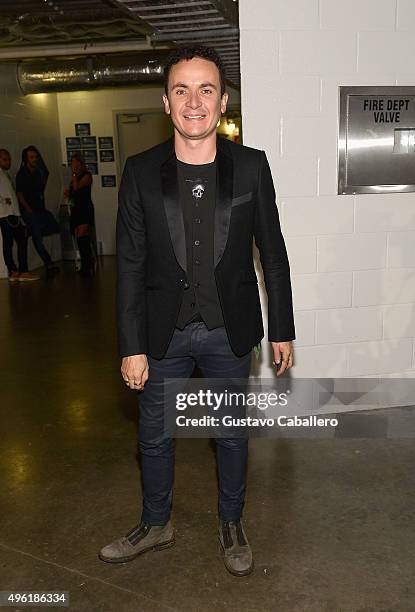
column 12, row 229
column 211, row 352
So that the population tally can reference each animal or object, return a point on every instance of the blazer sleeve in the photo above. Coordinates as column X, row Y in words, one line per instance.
column 274, row 259
column 131, row 263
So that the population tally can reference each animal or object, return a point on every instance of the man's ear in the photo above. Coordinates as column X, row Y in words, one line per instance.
column 166, row 104
column 224, row 102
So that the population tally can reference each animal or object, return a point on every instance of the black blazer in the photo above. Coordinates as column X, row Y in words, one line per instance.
column 151, row 250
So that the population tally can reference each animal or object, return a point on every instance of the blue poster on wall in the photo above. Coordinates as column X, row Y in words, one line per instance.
column 89, row 142
column 106, row 142
column 108, row 180
column 82, row 129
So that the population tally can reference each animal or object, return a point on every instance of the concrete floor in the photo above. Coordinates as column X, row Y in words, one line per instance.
column 331, row 522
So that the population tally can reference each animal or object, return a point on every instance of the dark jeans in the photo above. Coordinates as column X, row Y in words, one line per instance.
column 38, row 224
column 12, row 230
column 211, row 352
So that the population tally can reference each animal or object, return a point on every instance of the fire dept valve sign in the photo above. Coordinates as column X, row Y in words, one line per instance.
column 376, row 147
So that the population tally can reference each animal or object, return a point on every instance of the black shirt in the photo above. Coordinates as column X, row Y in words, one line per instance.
column 197, row 186
column 32, row 186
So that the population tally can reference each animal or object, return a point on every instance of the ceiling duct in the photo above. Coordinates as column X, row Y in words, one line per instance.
column 211, row 22
column 81, row 73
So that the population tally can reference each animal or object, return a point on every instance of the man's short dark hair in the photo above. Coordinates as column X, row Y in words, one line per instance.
column 5, row 151
column 188, row 53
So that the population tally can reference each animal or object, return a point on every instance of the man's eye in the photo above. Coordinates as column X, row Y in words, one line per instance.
column 207, row 91
column 180, row 91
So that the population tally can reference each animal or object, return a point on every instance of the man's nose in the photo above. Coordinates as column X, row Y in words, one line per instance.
column 194, row 99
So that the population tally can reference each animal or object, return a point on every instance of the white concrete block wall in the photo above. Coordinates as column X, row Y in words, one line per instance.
column 26, row 120
column 352, row 257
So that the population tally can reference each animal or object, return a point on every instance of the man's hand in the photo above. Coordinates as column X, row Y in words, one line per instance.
column 283, row 351
column 134, row 370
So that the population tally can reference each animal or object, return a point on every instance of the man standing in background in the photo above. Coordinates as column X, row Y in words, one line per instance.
column 30, row 187
column 12, row 226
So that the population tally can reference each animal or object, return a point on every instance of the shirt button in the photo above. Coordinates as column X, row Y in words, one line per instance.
column 197, row 262
column 197, row 242
column 197, row 220
column 197, row 284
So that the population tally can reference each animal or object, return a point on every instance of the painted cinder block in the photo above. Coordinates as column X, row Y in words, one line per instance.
column 328, row 290
column 372, row 287
column 317, row 215
column 348, row 325
column 351, row 252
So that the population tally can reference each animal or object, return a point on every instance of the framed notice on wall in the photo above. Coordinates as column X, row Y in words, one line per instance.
column 73, row 143
column 108, row 180
column 89, row 155
column 82, row 129
column 106, row 142
column 89, row 142
column 106, row 155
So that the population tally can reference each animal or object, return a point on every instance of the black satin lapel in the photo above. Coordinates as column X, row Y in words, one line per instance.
column 173, row 209
column 224, row 193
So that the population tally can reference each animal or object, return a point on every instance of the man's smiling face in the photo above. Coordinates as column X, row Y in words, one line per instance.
column 194, row 98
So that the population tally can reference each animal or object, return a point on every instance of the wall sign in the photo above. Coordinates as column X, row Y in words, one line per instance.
column 89, row 142
column 106, row 155
column 82, row 129
column 108, row 180
column 89, row 155
column 106, row 142
column 72, row 143
column 376, row 150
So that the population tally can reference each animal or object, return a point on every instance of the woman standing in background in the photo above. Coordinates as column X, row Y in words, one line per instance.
column 82, row 212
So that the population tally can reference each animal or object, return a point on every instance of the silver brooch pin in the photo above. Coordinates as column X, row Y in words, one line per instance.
column 198, row 190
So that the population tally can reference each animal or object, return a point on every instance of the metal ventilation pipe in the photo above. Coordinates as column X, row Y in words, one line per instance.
column 93, row 72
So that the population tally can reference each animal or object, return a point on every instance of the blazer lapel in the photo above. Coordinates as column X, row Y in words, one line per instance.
column 224, row 192
column 173, row 207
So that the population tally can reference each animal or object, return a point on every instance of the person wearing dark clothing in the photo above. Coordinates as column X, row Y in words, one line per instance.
column 11, row 225
column 41, row 166
column 82, row 212
column 30, row 187
column 187, row 293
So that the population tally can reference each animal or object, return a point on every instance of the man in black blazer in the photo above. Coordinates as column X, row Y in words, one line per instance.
column 189, row 210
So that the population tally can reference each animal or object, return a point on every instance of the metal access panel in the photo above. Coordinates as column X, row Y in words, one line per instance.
column 376, row 150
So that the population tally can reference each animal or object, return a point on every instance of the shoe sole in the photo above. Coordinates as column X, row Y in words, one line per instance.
column 154, row 548
column 242, row 573
column 27, row 280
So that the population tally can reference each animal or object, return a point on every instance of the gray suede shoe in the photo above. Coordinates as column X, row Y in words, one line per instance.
column 237, row 552
column 139, row 540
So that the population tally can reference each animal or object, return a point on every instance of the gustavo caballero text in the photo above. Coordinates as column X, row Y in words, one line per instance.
column 281, row 421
